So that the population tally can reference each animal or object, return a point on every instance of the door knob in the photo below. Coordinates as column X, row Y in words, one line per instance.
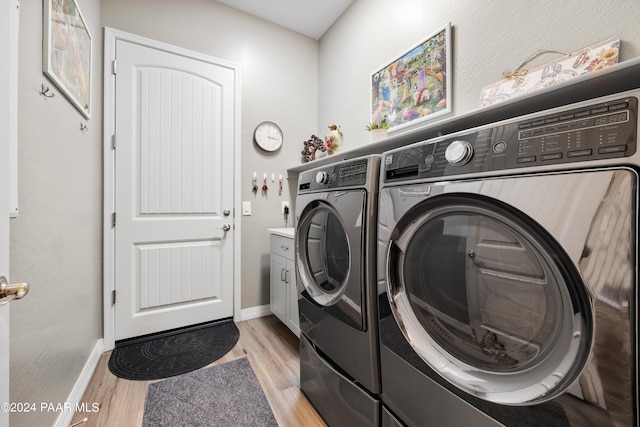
column 226, row 227
column 10, row 292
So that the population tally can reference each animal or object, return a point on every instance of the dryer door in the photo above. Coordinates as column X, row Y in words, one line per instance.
column 488, row 298
column 329, row 240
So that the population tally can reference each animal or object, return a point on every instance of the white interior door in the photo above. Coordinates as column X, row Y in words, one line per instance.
column 4, row 268
column 8, row 133
column 174, row 175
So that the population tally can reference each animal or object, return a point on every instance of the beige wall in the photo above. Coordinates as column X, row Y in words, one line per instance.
column 303, row 85
column 56, row 241
column 489, row 37
column 278, row 73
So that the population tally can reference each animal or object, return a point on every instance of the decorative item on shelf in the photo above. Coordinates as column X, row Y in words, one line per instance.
column 415, row 86
column 333, row 139
column 378, row 129
column 312, row 148
column 570, row 65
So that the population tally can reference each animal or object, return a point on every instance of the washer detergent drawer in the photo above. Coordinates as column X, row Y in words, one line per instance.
column 339, row 401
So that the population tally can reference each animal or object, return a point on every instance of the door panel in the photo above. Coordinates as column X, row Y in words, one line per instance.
column 179, row 143
column 329, row 249
column 174, row 178
column 504, row 268
column 176, row 273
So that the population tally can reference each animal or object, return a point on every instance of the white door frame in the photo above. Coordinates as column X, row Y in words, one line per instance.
column 9, row 21
column 110, row 38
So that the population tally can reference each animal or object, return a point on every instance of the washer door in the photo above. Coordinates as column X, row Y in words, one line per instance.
column 488, row 299
column 329, row 239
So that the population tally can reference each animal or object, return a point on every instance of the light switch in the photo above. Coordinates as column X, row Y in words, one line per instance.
column 246, row 208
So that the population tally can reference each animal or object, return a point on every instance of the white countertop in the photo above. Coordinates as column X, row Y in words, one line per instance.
column 284, row 232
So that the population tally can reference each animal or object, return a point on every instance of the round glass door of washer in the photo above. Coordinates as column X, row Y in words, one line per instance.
column 324, row 254
column 488, row 299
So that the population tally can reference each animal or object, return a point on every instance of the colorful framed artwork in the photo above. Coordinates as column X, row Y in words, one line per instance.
column 67, row 52
column 416, row 86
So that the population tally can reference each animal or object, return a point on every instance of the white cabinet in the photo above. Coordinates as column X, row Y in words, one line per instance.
column 284, row 293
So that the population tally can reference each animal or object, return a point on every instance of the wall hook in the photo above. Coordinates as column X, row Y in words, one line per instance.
column 83, row 127
column 44, row 91
column 254, row 183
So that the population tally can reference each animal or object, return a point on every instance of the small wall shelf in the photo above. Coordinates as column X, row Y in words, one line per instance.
column 618, row 78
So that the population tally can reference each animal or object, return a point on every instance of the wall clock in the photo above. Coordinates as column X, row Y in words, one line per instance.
column 268, row 136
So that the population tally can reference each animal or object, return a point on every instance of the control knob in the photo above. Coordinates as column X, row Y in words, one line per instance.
column 458, row 153
column 322, row 177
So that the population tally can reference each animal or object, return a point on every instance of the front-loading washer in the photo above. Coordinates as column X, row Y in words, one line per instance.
column 335, row 267
column 508, row 272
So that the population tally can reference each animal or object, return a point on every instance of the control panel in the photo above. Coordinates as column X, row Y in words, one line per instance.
column 599, row 131
column 340, row 175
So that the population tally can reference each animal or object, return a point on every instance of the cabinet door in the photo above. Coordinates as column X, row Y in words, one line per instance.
column 278, row 287
column 293, row 320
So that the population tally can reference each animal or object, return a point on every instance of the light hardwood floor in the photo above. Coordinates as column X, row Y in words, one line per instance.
column 272, row 350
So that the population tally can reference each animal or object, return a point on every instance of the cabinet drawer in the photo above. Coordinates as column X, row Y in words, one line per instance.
column 282, row 246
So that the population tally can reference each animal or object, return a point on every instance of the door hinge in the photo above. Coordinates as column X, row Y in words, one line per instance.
column 113, row 219
column 114, row 66
column 113, row 142
column 113, row 297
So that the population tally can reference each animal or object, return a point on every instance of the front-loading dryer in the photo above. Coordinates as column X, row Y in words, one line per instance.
column 507, row 273
column 335, row 267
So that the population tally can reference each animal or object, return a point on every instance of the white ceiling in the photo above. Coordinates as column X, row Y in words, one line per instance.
column 309, row 17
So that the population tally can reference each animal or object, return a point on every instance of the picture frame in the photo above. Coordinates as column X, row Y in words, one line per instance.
column 415, row 86
column 67, row 50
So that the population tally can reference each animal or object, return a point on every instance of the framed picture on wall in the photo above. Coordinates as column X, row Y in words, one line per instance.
column 415, row 86
column 67, row 52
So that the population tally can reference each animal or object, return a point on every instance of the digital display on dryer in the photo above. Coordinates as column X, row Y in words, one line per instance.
column 604, row 130
column 612, row 118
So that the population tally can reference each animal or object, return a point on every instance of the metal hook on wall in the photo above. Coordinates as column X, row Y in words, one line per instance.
column 254, row 183
column 44, row 91
column 83, row 127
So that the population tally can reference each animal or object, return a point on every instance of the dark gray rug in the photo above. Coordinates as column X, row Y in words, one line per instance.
column 223, row 395
column 173, row 352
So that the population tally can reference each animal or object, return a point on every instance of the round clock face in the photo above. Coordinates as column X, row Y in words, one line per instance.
column 268, row 136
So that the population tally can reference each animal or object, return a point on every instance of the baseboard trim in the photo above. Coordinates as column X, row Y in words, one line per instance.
column 254, row 312
column 75, row 397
